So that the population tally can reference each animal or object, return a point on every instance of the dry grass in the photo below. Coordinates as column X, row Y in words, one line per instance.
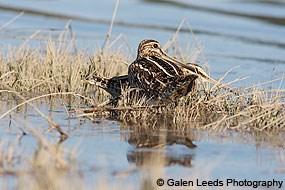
column 55, row 67
column 253, row 110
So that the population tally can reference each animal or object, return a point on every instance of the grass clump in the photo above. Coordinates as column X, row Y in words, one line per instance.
column 54, row 66
column 60, row 68
column 252, row 110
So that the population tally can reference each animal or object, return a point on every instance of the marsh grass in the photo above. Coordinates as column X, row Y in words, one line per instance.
column 253, row 110
column 57, row 67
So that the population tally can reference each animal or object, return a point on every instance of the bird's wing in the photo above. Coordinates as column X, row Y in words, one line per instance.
column 151, row 74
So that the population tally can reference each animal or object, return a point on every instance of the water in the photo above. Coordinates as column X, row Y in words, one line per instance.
column 245, row 33
column 110, row 149
column 107, row 150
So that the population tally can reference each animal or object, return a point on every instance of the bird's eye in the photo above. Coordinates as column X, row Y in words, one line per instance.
column 155, row 46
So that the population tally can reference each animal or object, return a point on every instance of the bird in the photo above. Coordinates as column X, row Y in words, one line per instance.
column 158, row 74
column 161, row 75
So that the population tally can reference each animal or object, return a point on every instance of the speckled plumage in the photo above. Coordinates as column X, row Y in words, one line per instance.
column 158, row 77
column 163, row 76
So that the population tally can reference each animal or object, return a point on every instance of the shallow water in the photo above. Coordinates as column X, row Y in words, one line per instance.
column 122, row 155
column 245, row 33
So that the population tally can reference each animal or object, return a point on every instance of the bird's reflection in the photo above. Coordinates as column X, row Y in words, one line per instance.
column 149, row 144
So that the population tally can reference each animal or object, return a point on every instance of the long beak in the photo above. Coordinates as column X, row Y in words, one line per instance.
column 197, row 70
column 170, row 59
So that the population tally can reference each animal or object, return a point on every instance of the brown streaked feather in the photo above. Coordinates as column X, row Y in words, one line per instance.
column 156, row 75
column 150, row 73
column 152, row 49
column 160, row 79
column 178, row 88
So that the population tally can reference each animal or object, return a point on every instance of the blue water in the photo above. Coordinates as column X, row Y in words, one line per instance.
column 107, row 149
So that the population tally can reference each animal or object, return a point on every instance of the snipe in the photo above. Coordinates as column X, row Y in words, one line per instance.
column 157, row 75
column 161, row 75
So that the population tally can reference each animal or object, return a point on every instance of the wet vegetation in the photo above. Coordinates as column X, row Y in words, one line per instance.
column 57, row 70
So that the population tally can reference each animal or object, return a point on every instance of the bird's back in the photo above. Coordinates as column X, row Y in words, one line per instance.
column 159, row 78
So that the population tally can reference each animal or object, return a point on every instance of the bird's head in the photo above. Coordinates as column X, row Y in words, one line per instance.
column 152, row 48
column 149, row 48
